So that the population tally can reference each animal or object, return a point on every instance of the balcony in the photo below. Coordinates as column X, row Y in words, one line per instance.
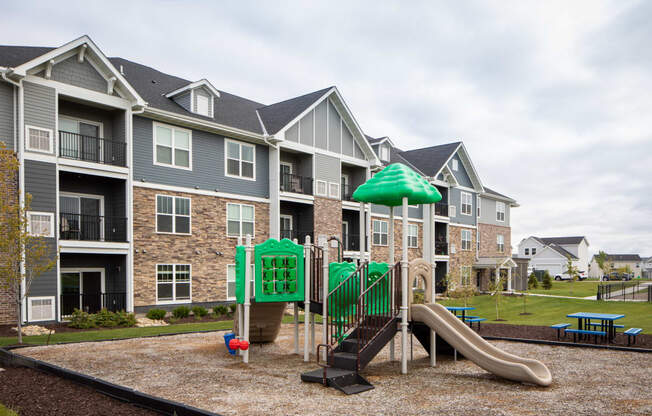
column 92, row 149
column 351, row 242
column 347, row 192
column 441, row 248
column 92, row 302
column 441, row 209
column 296, row 183
column 81, row 227
column 299, row 235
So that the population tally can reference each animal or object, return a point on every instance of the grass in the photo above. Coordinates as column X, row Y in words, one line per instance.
column 548, row 311
column 563, row 288
column 6, row 412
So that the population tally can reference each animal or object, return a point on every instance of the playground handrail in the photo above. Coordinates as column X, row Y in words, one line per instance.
column 340, row 304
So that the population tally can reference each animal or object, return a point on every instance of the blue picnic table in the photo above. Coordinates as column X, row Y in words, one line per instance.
column 463, row 309
column 606, row 321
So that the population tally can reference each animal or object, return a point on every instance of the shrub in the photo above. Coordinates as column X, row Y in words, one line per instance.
column 232, row 308
column 82, row 320
column 547, row 281
column 532, row 282
column 156, row 314
column 418, row 297
column 181, row 312
column 106, row 319
column 125, row 319
column 220, row 310
column 199, row 312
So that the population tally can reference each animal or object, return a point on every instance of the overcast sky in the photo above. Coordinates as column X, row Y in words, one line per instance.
column 552, row 99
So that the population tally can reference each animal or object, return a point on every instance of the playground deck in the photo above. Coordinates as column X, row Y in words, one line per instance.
column 195, row 369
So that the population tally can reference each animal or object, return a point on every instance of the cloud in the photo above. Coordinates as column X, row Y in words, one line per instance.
column 551, row 98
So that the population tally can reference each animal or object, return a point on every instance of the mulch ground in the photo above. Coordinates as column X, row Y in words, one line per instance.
column 549, row 334
column 31, row 392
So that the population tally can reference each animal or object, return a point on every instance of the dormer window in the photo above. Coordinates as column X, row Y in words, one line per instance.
column 384, row 153
column 203, row 106
column 203, row 102
column 197, row 97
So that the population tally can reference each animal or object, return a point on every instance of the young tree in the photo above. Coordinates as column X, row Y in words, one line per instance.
column 496, row 287
column 547, row 281
column 603, row 264
column 572, row 271
column 532, row 281
column 23, row 256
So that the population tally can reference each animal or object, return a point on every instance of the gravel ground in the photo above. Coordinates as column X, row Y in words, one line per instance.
column 195, row 369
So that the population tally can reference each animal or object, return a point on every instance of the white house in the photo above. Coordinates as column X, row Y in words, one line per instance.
column 552, row 253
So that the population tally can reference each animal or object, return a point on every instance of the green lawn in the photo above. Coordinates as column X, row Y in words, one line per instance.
column 564, row 288
column 6, row 412
column 548, row 311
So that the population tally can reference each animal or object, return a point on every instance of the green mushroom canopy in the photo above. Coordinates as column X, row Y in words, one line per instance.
column 390, row 185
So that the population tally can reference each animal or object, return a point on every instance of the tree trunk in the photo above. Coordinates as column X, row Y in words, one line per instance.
column 20, row 322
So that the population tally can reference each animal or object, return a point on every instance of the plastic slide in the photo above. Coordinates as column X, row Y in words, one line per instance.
column 264, row 322
column 475, row 348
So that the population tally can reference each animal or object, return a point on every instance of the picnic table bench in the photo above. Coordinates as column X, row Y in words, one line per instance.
column 586, row 332
column 607, row 326
column 475, row 319
column 559, row 327
column 632, row 332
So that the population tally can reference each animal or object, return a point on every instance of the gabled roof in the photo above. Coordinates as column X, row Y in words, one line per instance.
column 563, row 251
column 622, row 257
column 430, row 160
column 201, row 83
column 278, row 115
column 562, row 240
column 12, row 56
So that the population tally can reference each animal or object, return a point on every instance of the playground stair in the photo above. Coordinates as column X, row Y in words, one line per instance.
column 346, row 381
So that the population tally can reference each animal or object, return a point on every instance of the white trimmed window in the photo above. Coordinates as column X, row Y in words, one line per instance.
column 40, row 309
column 39, row 139
column 172, row 146
column 413, row 235
column 380, row 233
column 527, row 251
column 452, row 248
column 334, row 190
column 321, row 188
column 452, row 211
column 500, row 240
column 466, row 201
column 172, row 214
column 240, row 220
column 465, row 273
column 240, row 160
column 230, row 282
column 534, row 251
column 384, row 153
column 40, row 224
column 455, row 165
column 466, row 240
column 173, row 283
column 500, row 211
column 203, row 105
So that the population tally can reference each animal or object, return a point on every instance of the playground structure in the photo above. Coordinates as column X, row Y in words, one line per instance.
column 362, row 305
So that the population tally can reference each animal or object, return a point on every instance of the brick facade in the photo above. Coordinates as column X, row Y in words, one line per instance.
column 381, row 253
column 208, row 221
column 488, row 240
column 461, row 257
column 7, row 300
column 327, row 218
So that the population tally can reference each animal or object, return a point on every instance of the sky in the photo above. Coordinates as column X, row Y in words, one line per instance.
column 551, row 99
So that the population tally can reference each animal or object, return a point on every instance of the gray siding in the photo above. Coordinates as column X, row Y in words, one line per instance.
column 307, row 129
column 413, row 212
column 321, row 140
column 183, row 100
column 6, row 114
column 119, row 127
column 80, row 111
column 292, row 134
column 301, row 163
column 207, row 164
column 327, row 168
column 359, row 154
column 46, row 283
column 334, row 129
column 79, row 74
column 40, row 106
column 488, row 212
column 455, row 199
column 461, row 174
column 347, row 142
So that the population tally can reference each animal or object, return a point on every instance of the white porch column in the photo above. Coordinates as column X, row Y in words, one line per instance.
column 247, row 301
column 497, row 276
column 509, row 279
column 324, row 315
column 390, row 231
column 274, row 193
column 433, row 294
column 404, row 289
column 306, row 301
column 362, row 234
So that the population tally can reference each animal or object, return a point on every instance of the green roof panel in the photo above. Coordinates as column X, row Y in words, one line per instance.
column 390, row 185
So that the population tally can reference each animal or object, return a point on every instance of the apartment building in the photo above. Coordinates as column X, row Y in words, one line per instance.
column 144, row 181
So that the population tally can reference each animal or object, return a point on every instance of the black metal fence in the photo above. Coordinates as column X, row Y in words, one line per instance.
column 347, row 192
column 92, row 228
column 351, row 242
column 296, row 183
column 92, row 302
column 441, row 248
column 625, row 291
column 92, row 149
column 441, row 209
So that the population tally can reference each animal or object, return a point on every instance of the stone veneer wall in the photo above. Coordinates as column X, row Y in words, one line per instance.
column 327, row 218
column 208, row 221
column 7, row 304
column 461, row 258
column 381, row 253
column 488, row 242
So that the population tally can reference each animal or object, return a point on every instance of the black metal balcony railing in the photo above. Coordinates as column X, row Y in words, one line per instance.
column 441, row 248
column 441, row 209
column 347, row 192
column 351, row 242
column 299, row 235
column 296, row 183
column 92, row 149
column 92, row 302
column 92, row 228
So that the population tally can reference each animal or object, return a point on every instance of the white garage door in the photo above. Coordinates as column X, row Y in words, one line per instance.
column 552, row 268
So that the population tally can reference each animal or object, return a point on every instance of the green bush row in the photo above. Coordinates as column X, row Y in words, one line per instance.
column 104, row 319
column 199, row 312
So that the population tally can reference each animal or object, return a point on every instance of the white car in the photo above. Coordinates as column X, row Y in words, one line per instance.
column 565, row 276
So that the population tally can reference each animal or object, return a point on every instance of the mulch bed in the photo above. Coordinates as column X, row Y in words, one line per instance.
column 31, row 392
column 550, row 334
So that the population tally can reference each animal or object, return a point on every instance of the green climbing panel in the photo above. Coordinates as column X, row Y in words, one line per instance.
column 239, row 274
column 279, row 268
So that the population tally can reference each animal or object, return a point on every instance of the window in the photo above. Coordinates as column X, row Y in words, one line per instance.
column 452, row 211
column 334, row 190
column 172, row 214
column 39, row 140
column 527, row 251
column 380, row 233
column 41, row 224
column 500, row 212
column 534, row 251
column 466, row 240
column 321, row 188
column 413, row 235
column 452, row 248
column 384, row 153
column 40, row 309
column 466, row 203
column 465, row 274
column 240, row 220
column 455, row 166
column 240, row 160
column 500, row 240
column 230, row 281
column 203, row 105
column 173, row 283
column 172, row 146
